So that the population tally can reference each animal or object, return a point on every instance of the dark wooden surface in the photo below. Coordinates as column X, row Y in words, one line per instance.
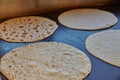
column 100, row 70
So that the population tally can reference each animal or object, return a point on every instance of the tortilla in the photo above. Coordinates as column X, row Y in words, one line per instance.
column 27, row 29
column 105, row 46
column 87, row 19
column 45, row 61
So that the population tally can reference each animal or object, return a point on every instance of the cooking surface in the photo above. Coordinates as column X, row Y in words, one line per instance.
column 100, row 70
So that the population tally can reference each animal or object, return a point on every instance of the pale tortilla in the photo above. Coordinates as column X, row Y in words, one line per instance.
column 27, row 29
column 45, row 61
column 105, row 46
column 87, row 19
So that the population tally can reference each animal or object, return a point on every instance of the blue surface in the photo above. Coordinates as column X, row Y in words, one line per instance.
column 100, row 70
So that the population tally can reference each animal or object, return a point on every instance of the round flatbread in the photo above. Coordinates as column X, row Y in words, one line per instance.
column 27, row 29
column 87, row 19
column 105, row 46
column 46, row 61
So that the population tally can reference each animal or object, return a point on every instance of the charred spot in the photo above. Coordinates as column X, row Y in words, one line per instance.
column 53, row 65
column 9, row 66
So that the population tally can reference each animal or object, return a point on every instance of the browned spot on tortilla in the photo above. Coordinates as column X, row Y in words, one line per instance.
column 42, row 25
column 46, row 29
column 37, row 25
column 8, row 38
column 6, row 23
column 15, row 54
column 21, row 26
column 36, row 19
column 14, row 28
column 0, row 35
column 25, row 33
column 9, row 66
column 4, row 26
column 4, row 29
column 53, row 65
column 13, row 39
column 31, row 35
column 35, row 28
column 48, row 32
column 23, row 36
column 45, row 21
column 21, row 40
column 13, row 32
column 6, row 34
column 16, row 35
column 50, row 24
column 29, row 19
column 30, row 22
